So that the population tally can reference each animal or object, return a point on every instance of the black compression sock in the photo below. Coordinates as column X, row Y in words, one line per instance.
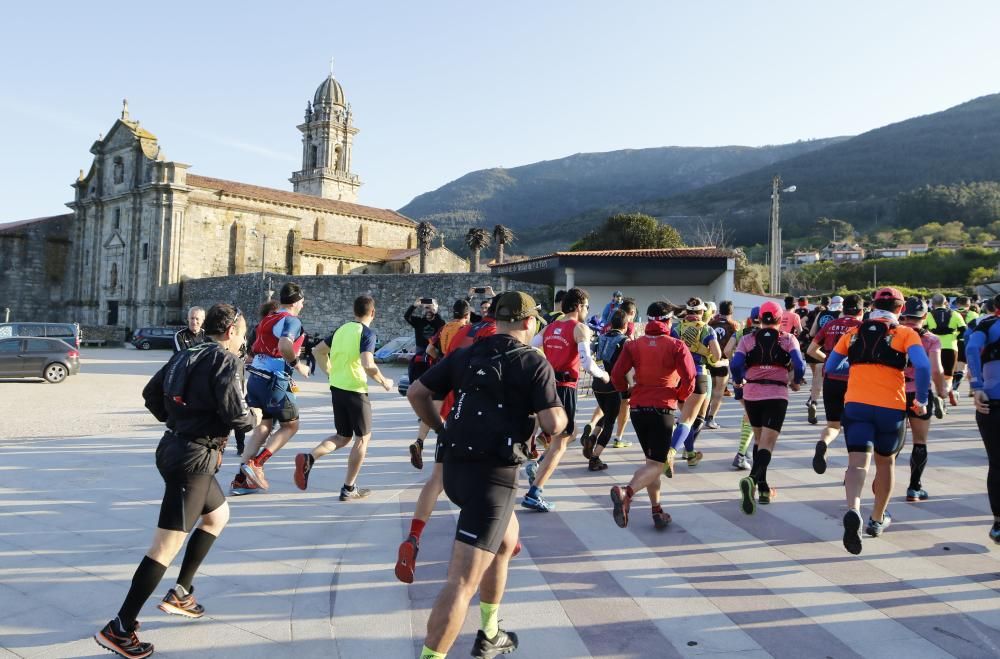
column 760, row 462
column 197, row 548
column 755, row 452
column 145, row 580
column 918, row 461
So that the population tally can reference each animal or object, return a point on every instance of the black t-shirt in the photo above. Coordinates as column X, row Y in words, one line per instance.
column 423, row 329
column 530, row 382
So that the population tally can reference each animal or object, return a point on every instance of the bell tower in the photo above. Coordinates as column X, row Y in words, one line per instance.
column 327, row 141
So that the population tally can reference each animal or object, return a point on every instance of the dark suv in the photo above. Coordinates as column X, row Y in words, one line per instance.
column 36, row 357
column 68, row 332
column 147, row 338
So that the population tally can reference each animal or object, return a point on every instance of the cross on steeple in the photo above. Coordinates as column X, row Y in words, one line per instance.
column 124, row 108
column 331, row 67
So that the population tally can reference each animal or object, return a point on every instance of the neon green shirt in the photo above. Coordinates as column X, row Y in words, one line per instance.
column 949, row 340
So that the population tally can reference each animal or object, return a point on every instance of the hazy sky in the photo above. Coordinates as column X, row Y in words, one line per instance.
column 443, row 88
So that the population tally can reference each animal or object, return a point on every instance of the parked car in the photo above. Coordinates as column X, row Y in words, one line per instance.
column 68, row 332
column 38, row 357
column 147, row 338
column 400, row 349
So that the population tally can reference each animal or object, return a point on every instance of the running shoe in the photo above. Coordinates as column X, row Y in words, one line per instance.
column 588, row 442
column 668, row 466
column 621, row 443
column 875, row 529
column 303, row 465
column 995, row 533
column 239, row 487
column 938, row 407
column 712, row 424
column 185, row 606
column 126, row 644
column 417, row 454
column 742, row 462
column 693, row 457
column 811, row 410
column 356, row 493
column 728, row 393
column 587, row 430
column 254, row 474
column 748, row 500
column 661, row 519
column 406, row 559
column 621, row 503
column 487, row 648
column 852, row 531
column 819, row 457
column 596, row 464
column 538, row 504
column 952, row 398
column 531, row 469
column 765, row 496
column 916, row 495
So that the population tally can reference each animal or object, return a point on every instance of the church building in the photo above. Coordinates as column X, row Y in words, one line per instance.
column 143, row 224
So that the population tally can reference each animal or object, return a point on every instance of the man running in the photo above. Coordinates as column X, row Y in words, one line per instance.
column 664, row 374
column 269, row 386
column 566, row 343
column 423, row 317
column 348, row 357
column 596, row 425
column 875, row 406
column 193, row 334
column 609, row 399
column 791, row 321
column 964, row 308
column 742, row 461
column 499, row 383
column 834, row 384
column 760, row 367
column 725, row 327
column 946, row 325
column 200, row 395
column 830, row 312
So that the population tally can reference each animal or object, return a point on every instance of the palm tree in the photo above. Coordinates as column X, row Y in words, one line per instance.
column 477, row 240
column 425, row 234
column 502, row 236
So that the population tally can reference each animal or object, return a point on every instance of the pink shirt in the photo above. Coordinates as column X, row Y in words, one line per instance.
column 932, row 344
column 790, row 322
column 752, row 391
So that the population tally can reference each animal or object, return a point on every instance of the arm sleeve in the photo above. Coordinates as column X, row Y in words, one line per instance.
column 836, row 362
column 408, row 316
column 152, row 394
column 587, row 360
column 737, row 365
column 798, row 364
column 974, row 342
column 622, row 366
column 922, row 371
column 231, row 396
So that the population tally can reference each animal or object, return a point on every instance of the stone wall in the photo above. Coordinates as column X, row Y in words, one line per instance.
column 34, row 263
column 329, row 299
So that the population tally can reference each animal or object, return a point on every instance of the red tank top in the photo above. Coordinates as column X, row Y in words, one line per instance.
column 560, row 349
column 266, row 342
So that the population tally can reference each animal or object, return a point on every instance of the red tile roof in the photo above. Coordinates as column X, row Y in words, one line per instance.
column 667, row 253
column 22, row 223
column 237, row 189
column 355, row 252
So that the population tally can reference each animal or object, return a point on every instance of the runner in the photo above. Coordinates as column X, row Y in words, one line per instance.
column 913, row 315
column 270, row 387
column 725, row 328
column 834, row 384
column 791, row 321
column 609, row 399
column 499, row 383
column 200, row 395
column 875, row 406
column 741, row 461
column 760, row 367
column 348, row 357
column 946, row 325
column 423, row 317
column 596, row 425
column 664, row 374
column 965, row 309
column 982, row 351
column 830, row 312
column 566, row 344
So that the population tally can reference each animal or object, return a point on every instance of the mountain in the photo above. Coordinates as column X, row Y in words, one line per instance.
column 555, row 190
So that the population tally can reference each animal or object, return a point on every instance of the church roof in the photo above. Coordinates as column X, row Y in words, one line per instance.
column 329, row 92
column 23, row 223
column 248, row 191
column 346, row 251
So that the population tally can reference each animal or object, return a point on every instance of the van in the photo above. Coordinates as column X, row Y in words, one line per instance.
column 68, row 332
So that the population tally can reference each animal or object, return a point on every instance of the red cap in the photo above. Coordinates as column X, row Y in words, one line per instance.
column 889, row 293
column 770, row 312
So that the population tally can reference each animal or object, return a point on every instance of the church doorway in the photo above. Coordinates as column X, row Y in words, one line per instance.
column 112, row 312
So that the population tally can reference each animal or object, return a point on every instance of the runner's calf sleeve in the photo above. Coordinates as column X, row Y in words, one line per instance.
column 198, row 546
column 918, row 461
column 746, row 432
column 681, row 431
column 696, row 427
column 956, row 379
column 145, row 580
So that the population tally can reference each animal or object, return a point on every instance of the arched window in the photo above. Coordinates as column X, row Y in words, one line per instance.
column 314, row 159
column 319, row 268
column 113, row 277
column 119, row 170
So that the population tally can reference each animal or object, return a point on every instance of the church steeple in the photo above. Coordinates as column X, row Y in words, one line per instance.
column 327, row 141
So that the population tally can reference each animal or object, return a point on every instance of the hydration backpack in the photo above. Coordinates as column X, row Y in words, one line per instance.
column 607, row 346
column 690, row 333
column 767, row 350
column 942, row 321
column 872, row 344
column 991, row 351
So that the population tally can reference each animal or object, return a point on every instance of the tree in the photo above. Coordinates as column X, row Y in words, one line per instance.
column 502, row 236
column 630, row 231
column 750, row 277
column 709, row 234
column 425, row 234
column 477, row 239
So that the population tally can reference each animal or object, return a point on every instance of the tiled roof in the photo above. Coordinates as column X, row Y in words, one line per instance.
column 22, row 223
column 296, row 199
column 668, row 253
column 345, row 250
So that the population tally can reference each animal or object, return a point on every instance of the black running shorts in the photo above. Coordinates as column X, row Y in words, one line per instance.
column 190, row 489
column 701, row 384
column 948, row 359
column 485, row 494
column 352, row 413
column 718, row 371
column 961, row 350
column 833, row 398
column 910, row 414
column 567, row 396
column 766, row 413
column 654, row 427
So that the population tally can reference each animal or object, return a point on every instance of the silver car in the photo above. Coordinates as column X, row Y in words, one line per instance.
column 37, row 357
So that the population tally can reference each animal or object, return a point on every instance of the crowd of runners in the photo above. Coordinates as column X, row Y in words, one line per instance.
column 499, row 389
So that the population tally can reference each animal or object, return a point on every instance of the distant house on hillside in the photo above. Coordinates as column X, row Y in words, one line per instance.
column 900, row 251
column 842, row 252
column 805, row 258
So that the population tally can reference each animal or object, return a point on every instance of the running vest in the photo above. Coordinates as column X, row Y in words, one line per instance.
column 991, row 351
column 724, row 329
column 872, row 344
column 767, row 350
column 607, row 345
column 690, row 333
column 825, row 317
column 559, row 344
column 466, row 336
column 266, row 342
column 942, row 321
column 346, row 372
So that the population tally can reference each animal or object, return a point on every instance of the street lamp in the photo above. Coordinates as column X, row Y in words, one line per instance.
column 775, row 232
column 263, row 253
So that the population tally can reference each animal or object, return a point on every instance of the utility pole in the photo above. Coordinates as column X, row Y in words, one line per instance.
column 775, row 235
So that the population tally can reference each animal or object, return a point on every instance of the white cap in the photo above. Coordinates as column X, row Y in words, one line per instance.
column 836, row 303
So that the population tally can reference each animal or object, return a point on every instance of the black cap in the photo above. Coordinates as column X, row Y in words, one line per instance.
column 914, row 307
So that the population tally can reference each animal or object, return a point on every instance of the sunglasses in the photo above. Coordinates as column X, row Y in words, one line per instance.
column 236, row 318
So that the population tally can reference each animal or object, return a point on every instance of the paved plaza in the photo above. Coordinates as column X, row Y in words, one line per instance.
column 301, row 574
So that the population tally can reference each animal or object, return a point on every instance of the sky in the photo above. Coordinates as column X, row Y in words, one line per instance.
column 442, row 88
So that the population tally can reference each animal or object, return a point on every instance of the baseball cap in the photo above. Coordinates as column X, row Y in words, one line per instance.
column 888, row 293
column 914, row 308
column 770, row 312
column 836, row 303
column 513, row 306
column 617, row 294
column 755, row 313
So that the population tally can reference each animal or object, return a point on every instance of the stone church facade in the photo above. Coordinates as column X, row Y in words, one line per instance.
column 143, row 224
